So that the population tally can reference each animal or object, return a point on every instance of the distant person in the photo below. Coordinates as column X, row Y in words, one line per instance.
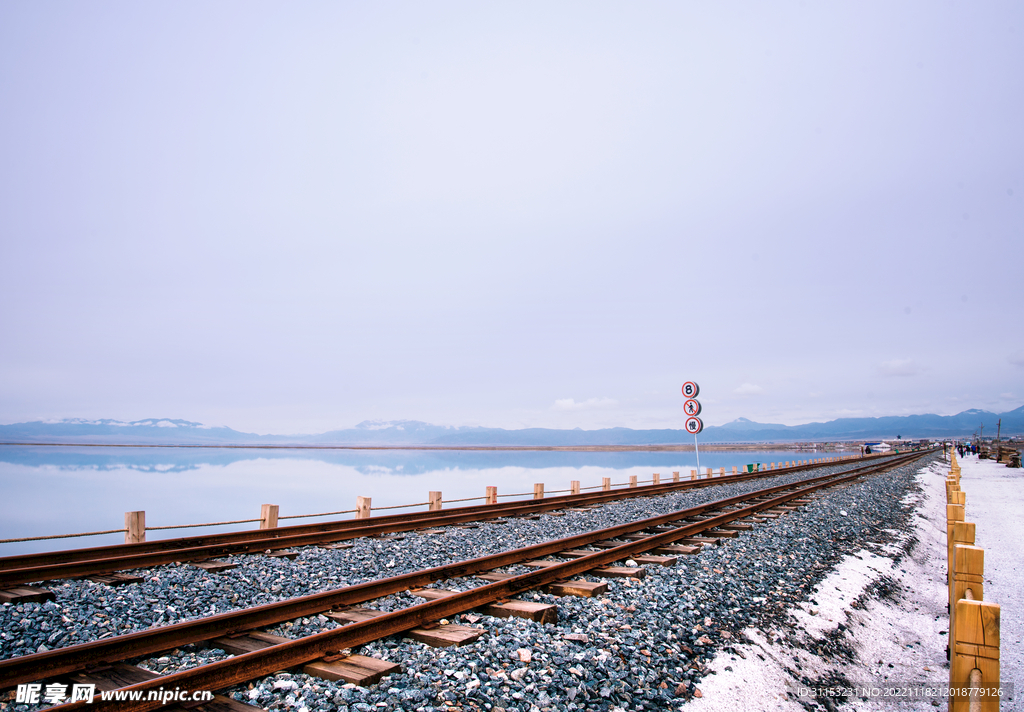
column 867, row 449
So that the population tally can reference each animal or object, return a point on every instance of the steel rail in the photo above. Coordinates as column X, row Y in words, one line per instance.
column 242, row 668
column 26, row 568
column 66, row 660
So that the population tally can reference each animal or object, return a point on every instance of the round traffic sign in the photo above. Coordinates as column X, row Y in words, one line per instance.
column 691, row 407
column 691, row 389
column 694, row 425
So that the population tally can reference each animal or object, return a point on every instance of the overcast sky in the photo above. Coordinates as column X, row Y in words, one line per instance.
column 293, row 217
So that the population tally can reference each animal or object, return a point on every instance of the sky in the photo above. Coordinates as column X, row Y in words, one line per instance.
column 294, row 217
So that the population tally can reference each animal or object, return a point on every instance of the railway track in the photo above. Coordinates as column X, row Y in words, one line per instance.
column 72, row 563
column 661, row 534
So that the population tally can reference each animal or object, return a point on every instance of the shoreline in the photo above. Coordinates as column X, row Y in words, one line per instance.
column 829, row 446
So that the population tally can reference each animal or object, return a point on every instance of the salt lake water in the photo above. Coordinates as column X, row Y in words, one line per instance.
column 64, row 490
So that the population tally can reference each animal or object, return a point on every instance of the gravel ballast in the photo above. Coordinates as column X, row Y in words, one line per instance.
column 647, row 642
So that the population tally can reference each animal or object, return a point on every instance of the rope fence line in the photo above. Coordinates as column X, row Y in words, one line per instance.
column 321, row 514
column 272, row 523
column 402, row 506
column 193, row 526
column 60, row 536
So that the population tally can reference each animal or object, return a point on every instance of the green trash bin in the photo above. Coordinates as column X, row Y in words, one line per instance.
column 750, row 468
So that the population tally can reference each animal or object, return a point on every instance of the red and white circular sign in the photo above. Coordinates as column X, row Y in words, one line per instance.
column 694, row 425
column 691, row 389
column 691, row 407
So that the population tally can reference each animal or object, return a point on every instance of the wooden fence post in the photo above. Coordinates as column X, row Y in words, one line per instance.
column 435, row 502
column 362, row 507
column 606, row 483
column 657, row 479
column 538, row 490
column 693, row 474
column 735, row 470
column 675, row 475
column 134, row 527
column 268, row 516
column 632, row 480
column 574, row 487
column 974, row 655
column 492, row 495
column 960, row 534
column 954, row 514
column 721, row 472
column 968, row 579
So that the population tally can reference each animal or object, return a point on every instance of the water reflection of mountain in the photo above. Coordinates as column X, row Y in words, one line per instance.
column 407, row 462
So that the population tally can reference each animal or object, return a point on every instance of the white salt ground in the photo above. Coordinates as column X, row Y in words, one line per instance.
column 897, row 641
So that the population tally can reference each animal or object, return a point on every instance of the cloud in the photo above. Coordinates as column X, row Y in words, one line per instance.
column 589, row 404
column 748, row 389
column 899, row 367
column 1017, row 358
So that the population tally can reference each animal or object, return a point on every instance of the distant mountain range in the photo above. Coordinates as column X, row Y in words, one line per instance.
column 156, row 431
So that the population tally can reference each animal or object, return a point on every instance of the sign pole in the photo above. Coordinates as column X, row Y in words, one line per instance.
column 692, row 408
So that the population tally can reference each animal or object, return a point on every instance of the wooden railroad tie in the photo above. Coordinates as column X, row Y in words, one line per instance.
column 493, row 576
column 442, row 636
column 609, row 544
column 721, row 533
column 657, row 560
column 214, row 566
column 26, row 594
column 607, row 571
column 700, row 540
column 340, row 546
column 575, row 587
column 531, row 610
column 357, row 669
column 115, row 579
column 640, row 558
column 677, row 549
column 633, row 572
column 575, row 553
column 283, row 554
